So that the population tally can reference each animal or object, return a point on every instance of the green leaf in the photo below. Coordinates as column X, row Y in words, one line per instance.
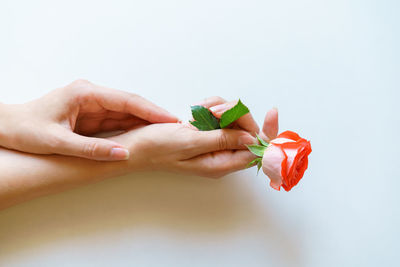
column 233, row 114
column 259, row 165
column 257, row 150
column 262, row 142
column 204, row 119
column 257, row 160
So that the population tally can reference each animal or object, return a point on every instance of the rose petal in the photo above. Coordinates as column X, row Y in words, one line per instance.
column 288, row 153
column 272, row 165
column 289, row 135
column 281, row 140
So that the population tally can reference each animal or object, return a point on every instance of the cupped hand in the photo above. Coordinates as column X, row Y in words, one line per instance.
column 62, row 121
column 177, row 147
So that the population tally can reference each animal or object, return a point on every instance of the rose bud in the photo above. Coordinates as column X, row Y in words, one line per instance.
column 286, row 159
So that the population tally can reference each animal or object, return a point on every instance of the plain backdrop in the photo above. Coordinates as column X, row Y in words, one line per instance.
column 330, row 66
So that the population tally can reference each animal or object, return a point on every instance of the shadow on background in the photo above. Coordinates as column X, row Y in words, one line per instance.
column 174, row 203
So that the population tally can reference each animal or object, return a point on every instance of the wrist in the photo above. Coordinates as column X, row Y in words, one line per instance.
column 108, row 169
column 10, row 125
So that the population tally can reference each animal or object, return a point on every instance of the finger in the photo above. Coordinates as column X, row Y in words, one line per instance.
column 71, row 144
column 271, row 125
column 120, row 101
column 210, row 101
column 217, row 140
column 246, row 122
column 218, row 164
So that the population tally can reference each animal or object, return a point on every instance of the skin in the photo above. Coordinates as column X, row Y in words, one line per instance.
column 169, row 147
column 62, row 121
column 173, row 147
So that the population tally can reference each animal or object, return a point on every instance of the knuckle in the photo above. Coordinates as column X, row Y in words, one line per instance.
column 80, row 83
column 134, row 96
column 129, row 99
column 80, row 86
column 89, row 149
column 216, row 99
column 54, row 142
column 222, row 141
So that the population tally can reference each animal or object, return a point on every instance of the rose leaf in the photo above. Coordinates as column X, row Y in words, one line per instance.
column 233, row 114
column 262, row 142
column 257, row 150
column 204, row 120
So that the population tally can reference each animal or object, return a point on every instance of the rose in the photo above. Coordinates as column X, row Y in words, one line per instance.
column 285, row 160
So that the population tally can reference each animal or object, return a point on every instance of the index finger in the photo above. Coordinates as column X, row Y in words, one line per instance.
column 120, row 101
column 246, row 122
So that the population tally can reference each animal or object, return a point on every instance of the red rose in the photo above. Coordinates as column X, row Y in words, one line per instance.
column 286, row 159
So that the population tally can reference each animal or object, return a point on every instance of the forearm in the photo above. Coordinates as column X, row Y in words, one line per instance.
column 26, row 176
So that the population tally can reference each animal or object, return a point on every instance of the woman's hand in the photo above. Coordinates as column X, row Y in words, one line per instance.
column 177, row 147
column 181, row 147
column 59, row 122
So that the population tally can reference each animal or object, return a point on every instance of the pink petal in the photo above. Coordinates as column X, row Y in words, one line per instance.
column 272, row 165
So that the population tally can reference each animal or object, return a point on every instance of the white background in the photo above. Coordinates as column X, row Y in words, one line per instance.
column 332, row 69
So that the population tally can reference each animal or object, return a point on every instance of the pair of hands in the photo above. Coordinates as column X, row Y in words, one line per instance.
column 62, row 122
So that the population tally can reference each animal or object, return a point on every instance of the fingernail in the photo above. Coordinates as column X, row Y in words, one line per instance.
column 118, row 153
column 218, row 108
column 246, row 140
column 275, row 108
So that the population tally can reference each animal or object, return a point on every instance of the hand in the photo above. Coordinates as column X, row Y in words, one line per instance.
column 182, row 148
column 59, row 122
column 177, row 147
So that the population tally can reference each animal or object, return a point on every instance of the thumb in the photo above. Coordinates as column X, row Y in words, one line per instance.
column 222, row 139
column 72, row 144
column 271, row 125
